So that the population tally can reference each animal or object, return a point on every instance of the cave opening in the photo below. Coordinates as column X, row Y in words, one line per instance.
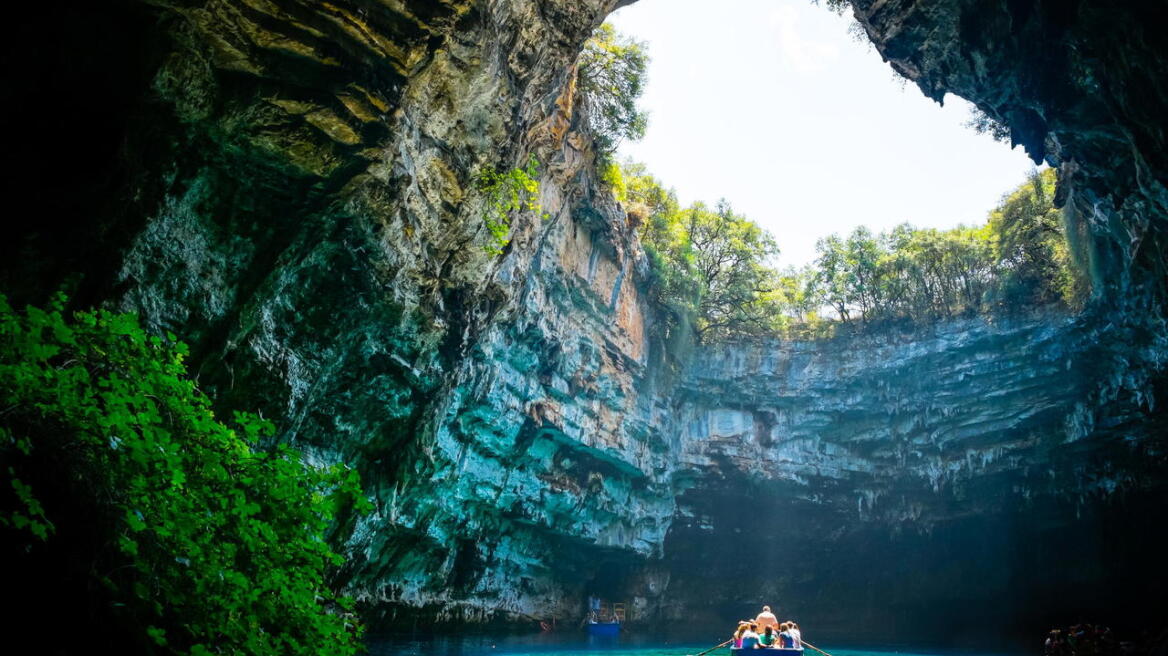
column 788, row 113
column 300, row 206
column 1010, row 550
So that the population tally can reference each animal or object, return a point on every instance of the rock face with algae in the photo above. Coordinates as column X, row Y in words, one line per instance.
column 290, row 187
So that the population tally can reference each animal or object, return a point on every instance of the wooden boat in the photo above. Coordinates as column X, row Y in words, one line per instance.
column 607, row 629
column 605, row 619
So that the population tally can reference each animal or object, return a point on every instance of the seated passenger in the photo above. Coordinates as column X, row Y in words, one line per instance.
column 750, row 638
column 797, row 634
column 767, row 639
column 742, row 627
column 786, row 640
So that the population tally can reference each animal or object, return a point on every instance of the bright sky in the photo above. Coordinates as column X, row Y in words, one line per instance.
column 772, row 105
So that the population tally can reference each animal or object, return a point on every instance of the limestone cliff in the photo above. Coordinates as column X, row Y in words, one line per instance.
column 289, row 186
column 927, row 484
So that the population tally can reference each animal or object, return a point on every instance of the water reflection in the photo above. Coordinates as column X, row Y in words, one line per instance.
column 537, row 643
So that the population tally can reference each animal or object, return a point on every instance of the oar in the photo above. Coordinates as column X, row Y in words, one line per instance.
column 808, row 644
column 715, row 647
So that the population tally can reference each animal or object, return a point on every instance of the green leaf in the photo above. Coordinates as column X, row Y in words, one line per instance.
column 206, row 539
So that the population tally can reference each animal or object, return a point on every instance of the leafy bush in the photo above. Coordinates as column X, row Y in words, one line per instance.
column 611, row 79
column 506, row 192
column 127, row 502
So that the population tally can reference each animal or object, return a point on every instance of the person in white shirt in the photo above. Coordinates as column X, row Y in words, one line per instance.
column 797, row 635
column 766, row 618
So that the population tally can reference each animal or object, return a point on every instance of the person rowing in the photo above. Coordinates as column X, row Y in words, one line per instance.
column 786, row 639
column 737, row 638
column 797, row 634
column 767, row 618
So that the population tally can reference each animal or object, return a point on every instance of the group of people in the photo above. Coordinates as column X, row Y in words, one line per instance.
column 767, row 632
column 1081, row 640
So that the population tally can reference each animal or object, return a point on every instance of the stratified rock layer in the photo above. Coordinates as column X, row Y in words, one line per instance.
column 924, row 485
column 290, row 186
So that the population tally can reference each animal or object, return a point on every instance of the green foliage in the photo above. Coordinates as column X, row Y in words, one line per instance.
column 612, row 77
column 673, row 286
column 710, row 270
column 183, row 531
column 1019, row 260
column 1032, row 248
column 982, row 123
column 737, row 288
column 709, row 266
column 510, row 191
column 838, row 6
column 905, row 273
column 614, row 180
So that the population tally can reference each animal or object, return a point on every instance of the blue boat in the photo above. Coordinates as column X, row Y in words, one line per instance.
column 770, row 651
column 608, row 629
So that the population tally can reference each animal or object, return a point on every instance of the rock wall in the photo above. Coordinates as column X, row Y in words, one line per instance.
column 290, row 187
column 295, row 196
column 988, row 474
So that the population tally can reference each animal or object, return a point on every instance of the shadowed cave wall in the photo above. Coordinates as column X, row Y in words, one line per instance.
column 288, row 186
column 926, row 484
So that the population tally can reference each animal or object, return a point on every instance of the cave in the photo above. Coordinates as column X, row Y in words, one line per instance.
column 288, row 187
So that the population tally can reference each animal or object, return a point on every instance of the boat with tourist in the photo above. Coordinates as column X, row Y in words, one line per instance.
column 604, row 619
column 766, row 632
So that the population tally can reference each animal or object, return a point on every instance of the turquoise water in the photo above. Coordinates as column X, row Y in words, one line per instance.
column 580, row 645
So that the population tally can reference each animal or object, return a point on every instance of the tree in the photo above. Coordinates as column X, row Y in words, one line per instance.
column 612, row 74
column 730, row 255
column 711, row 269
column 672, row 286
column 798, row 294
column 506, row 192
column 862, row 253
column 831, row 276
column 1031, row 247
